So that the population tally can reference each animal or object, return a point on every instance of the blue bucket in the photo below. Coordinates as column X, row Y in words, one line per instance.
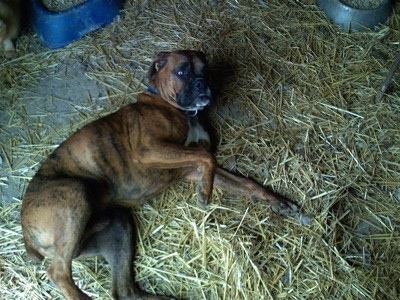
column 58, row 29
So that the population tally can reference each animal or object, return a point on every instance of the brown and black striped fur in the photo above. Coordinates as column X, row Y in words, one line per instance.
column 75, row 205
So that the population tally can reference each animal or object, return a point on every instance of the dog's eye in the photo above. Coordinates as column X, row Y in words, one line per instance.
column 180, row 73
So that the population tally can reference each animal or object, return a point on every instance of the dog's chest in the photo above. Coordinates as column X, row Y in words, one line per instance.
column 196, row 133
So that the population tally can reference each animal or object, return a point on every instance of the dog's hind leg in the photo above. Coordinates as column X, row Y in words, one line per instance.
column 112, row 235
column 53, row 217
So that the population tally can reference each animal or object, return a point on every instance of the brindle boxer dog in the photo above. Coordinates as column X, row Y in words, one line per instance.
column 76, row 203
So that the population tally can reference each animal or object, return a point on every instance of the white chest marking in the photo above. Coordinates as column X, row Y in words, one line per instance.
column 196, row 132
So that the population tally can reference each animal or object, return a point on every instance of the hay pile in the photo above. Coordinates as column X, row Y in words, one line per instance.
column 295, row 109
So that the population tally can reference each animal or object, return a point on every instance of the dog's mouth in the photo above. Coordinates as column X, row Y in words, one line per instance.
column 200, row 103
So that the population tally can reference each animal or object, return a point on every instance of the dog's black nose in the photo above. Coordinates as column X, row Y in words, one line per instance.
column 200, row 83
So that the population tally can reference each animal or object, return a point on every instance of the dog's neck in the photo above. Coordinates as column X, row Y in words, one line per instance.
column 151, row 90
column 196, row 132
column 190, row 113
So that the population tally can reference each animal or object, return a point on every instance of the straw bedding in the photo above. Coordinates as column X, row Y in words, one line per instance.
column 294, row 108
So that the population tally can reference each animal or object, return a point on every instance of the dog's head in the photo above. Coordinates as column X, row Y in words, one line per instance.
column 180, row 78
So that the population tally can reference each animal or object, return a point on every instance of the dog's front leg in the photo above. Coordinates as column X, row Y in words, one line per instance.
column 195, row 161
column 247, row 187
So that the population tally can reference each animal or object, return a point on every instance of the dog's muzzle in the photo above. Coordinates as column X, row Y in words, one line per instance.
column 196, row 96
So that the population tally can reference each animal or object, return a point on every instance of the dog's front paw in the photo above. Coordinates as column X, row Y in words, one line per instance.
column 287, row 208
column 202, row 201
column 203, row 198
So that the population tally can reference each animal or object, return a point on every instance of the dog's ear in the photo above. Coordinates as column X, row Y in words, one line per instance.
column 158, row 63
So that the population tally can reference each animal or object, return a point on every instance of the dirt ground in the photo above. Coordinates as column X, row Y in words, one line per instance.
column 54, row 97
